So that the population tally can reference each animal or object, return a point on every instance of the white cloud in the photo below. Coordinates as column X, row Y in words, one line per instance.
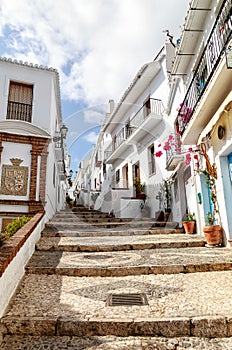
column 91, row 137
column 103, row 43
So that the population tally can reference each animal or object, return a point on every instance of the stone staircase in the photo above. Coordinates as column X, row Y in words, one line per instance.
column 93, row 275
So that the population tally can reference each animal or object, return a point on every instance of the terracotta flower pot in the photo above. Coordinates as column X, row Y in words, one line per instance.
column 213, row 234
column 189, row 226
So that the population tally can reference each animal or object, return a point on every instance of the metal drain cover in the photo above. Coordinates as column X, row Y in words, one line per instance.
column 127, row 299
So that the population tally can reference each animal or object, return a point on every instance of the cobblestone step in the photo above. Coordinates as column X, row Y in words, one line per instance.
column 119, row 243
column 134, row 262
column 63, row 300
column 14, row 342
column 53, row 231
column 90, row 219
column 178, row 305
column 77, row 225
column 60, row 216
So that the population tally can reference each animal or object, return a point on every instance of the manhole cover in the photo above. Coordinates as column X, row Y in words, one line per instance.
column 128, row 299
column 96, row 257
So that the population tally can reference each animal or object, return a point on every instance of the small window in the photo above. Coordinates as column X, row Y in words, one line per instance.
column 151, row 160
column 54, row 175
column 117, row 176
column 20, row 102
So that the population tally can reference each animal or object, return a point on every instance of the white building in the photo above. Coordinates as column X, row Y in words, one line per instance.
column 204, row 119
column 32, row 149
column 130, row 137
column 181, row 100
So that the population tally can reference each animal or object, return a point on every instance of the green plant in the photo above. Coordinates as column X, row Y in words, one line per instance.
column 14, row 226
column 209, row 219
column 68, row 199
column 138, row 185
column 189, row 217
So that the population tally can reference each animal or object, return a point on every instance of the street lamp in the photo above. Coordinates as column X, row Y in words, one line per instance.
column 59, row 140
column 63, row 134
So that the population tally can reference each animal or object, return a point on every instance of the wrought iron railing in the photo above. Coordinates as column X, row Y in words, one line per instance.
column 215, row 46
column 155, row 106
column 19, row 111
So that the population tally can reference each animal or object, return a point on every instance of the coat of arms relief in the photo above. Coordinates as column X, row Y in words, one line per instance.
column 14, row 178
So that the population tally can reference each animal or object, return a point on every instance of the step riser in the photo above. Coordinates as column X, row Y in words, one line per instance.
column 128, row 271
column 211, row 327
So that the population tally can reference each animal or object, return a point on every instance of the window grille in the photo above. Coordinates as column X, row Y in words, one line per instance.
column 20, row 102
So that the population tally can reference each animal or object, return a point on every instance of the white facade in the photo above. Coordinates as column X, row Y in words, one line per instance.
column 130, row 135
column 27, row 131
column 201, row 65
column 184, row 92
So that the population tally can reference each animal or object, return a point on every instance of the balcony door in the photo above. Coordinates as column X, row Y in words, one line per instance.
column 136, row 172
column 125, row 176
column 20, row 102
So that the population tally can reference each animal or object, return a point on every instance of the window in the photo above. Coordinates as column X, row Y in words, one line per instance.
column 136, row 171
column 117, row 177
column 54, row 175
column 151, row 160
column 125, row 176
column 147, row 105
column 20, row 102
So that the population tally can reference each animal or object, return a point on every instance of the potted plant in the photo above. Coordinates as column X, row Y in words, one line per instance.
column 212, row 231
column 167, row 212
column 189, row 223
column 139, row 189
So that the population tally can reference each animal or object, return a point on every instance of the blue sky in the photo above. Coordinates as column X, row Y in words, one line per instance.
column 97, row 46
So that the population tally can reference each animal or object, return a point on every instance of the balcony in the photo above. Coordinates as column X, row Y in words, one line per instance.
column 173, row 158
column 142, row 124
column 201, row 100
column 19, row 111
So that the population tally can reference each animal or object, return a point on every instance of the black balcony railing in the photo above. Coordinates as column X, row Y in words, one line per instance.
column 215, row 47
column 19, row 111
column 152, row 106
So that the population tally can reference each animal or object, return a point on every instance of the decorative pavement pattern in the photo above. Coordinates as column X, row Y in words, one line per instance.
column 63, row 300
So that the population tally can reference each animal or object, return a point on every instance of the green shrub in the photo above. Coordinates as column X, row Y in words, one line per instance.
column 15, row 225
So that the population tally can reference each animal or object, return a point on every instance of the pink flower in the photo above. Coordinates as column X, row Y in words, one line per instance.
column 158, row 154
column 187, row 159
column 167, row 147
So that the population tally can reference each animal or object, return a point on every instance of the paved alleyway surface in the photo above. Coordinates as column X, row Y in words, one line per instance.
column 96, row 282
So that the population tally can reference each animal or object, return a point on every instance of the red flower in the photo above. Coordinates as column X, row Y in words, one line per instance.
column 195, row 156
column 167, row 146
column 190, row 149
column 187, row 159
column 159, row 145
column 158, row 154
